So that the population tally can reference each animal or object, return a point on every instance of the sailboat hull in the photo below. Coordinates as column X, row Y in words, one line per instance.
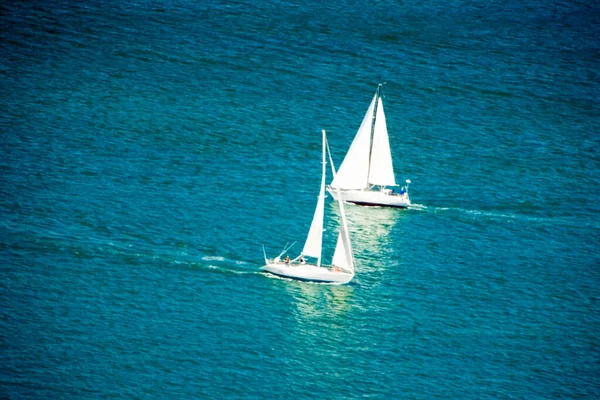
column 308, row 273
column 381, row 198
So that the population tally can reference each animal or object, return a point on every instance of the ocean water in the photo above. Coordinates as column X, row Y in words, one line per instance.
column 149, row 149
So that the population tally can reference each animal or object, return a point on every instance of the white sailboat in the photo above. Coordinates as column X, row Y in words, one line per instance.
column 342, row 265
column 367, row 169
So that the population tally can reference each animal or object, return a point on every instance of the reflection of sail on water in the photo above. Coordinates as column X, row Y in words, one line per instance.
column 373, row 226
column 315, row 301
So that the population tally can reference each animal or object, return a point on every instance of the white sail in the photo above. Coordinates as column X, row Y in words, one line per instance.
column 382, row 170
column 314, row 240
column 354, row 169
column 343, row 255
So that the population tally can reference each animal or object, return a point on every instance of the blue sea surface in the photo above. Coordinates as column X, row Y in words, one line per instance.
column 149, row 149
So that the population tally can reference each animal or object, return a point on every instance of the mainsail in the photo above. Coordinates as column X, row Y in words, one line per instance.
column 369, row 159
column 381, row 172
column 354, row 170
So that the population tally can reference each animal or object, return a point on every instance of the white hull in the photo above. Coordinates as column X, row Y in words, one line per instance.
column 382, row 198
column 307, row 272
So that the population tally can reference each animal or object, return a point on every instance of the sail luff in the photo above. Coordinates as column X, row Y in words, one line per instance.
column 314, row 240
column 333, row 173
column 376, row 102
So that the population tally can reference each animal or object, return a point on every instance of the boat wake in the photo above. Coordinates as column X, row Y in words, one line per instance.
column 179, row 260
column 500, row 215
column 418, row 207
column 224, row 265
column 124, row 253
column 464, row 211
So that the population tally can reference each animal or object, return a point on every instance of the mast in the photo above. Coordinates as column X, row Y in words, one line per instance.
column 373, row 122
column 322, row 193
column 314, row 241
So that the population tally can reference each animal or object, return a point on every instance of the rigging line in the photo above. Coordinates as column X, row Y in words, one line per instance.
column 373, row 121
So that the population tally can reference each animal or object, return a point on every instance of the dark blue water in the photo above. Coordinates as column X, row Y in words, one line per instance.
column 149, row 149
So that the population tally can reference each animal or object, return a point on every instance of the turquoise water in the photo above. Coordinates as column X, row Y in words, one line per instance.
column 149, row 149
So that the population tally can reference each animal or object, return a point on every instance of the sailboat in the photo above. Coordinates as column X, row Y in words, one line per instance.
column 342, row 266
column 367, row 169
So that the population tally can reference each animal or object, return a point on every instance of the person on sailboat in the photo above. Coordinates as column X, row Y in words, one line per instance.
column 287, row 259
column 403, row 193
